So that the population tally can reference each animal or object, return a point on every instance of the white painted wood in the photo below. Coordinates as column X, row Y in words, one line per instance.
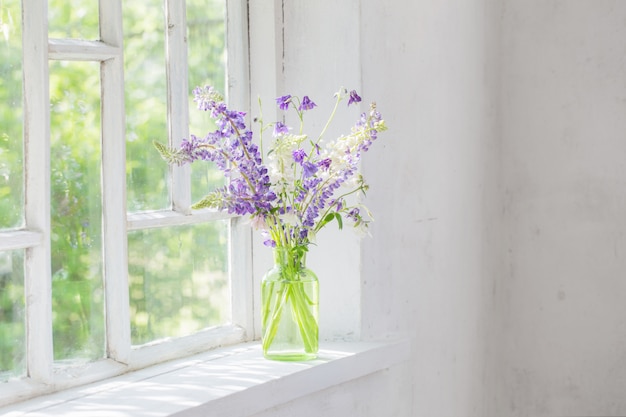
column 81, row 50
column 76, row 373
column 177, row 99
column 305, row 73
column 266, row 81
column 266, row 54
column 173, row 348
column 233, row 382
column 241, row 280
column 65, row 376
column 46, row 376
column 37, row 275
column 114, row 187
column 155, row 219
column 21, row 389
column 238, row 96
column 238, row 65
column 19, row 239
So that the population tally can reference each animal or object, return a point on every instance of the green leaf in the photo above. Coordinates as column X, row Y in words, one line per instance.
column 339, row 220
column 163, row 150
column 212, row 200
column 171, row 156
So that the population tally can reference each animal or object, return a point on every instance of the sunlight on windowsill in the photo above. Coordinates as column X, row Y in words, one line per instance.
column 233, row 381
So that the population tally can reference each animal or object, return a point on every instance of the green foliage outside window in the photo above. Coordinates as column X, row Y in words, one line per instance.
column 12, row 326
column 11, row 177
column 178, row 276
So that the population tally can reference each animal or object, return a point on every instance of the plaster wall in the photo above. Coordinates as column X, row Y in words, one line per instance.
column 563, row 315
column 499, row 242
column 429, row 270
column 426, row 273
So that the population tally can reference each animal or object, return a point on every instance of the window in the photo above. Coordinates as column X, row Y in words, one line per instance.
column 103, row 268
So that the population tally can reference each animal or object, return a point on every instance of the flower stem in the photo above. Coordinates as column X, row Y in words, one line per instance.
column 289, row 294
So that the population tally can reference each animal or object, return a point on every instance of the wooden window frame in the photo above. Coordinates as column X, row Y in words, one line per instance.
column 43, row 375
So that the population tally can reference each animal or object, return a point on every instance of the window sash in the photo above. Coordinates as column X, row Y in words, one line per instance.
column 35, row 237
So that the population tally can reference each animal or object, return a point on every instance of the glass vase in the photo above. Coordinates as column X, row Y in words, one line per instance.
column 289, row 303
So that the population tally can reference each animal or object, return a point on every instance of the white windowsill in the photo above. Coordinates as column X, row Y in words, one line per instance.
column 234, row 381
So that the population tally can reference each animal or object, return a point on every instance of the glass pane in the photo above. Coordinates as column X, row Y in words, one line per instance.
column 207, row 65
column 146, row 104
column 77, row 19
column 77, row 284
column 12, row 327
column 11, row 178
column 178, row 280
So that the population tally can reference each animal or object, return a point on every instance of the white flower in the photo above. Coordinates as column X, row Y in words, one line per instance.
column 258, row 223
column 289, row 218
column 362, row 230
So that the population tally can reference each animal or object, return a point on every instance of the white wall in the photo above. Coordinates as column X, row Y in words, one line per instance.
column 316, row 63
column 562, row 295
column 499, row 193
column 426, row 273
column 428, row 269
column 321, row 53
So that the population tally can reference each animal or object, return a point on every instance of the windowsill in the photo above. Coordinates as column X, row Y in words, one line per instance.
column 233, row 381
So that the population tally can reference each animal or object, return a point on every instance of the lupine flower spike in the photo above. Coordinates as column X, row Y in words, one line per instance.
column 300, row 185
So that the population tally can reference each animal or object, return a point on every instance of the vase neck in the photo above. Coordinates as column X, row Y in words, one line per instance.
column 290, row 257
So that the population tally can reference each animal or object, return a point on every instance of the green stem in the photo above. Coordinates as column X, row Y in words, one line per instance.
column 330, row 119
column 299, row 303
column 286, row 298
column 321, row 224
column 272, row 328
column 306, row 322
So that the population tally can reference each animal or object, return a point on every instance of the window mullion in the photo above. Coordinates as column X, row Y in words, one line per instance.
column 240, row 251
column 177, row 98
column 266, row 78
column 114, row 185
column 38, row 281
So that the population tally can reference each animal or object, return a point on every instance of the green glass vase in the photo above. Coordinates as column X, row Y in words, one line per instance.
column 289, row 302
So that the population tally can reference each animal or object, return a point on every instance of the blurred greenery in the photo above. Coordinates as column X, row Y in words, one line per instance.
column 146, row 103
column 76, row 19
column 166, row 303
column 11, row 177
column 12, row 326
column 178, row 275
column 76, row 211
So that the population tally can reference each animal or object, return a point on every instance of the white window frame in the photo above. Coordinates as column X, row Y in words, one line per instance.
column 43, row 375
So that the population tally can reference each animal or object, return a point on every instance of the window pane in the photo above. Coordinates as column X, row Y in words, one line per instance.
column 12, row 327
column 11, row 178
column 76, row 19
column 77, row 284
column 178, row 280
column 207, row 65
column 146, row 104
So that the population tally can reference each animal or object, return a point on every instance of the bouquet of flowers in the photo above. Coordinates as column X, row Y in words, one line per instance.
column 290, row 189
column 289, row 192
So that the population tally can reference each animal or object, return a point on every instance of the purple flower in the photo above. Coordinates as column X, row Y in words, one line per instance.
column 283, row 102
column 306, row 104
column 324, row 163
column 206, row 97
column 354, row 97
column 354, row 214
column 299, row 155
column 280, row 129
column 309, row 169
column 293, row 212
